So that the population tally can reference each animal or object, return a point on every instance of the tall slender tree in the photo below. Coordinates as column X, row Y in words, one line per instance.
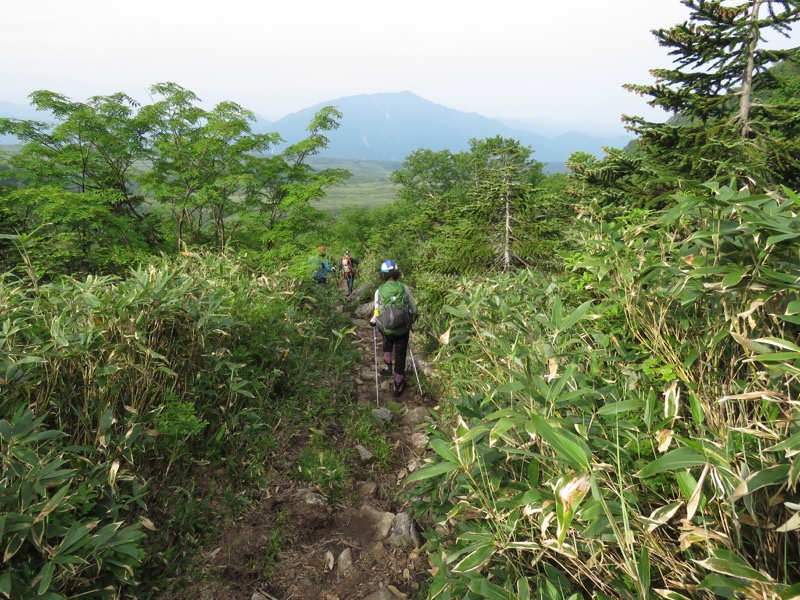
column 505, row 176
column 730, row 117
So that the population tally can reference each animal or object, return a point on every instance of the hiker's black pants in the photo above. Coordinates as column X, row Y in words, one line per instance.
column 399, row 345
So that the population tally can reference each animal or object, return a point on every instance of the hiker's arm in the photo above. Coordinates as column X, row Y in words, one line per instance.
column 412, row 306
column 376, row 311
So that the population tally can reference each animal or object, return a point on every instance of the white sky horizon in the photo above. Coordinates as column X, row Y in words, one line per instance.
column 531, row 60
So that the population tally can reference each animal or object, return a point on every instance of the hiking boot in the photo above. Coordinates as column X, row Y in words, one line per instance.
column 399, row 387
column 386, row 371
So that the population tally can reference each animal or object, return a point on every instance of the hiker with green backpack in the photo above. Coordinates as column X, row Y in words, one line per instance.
column 394, row 314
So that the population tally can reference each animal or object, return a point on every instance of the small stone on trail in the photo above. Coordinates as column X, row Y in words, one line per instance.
column 415, row 416
column 397, row 593
column 382, row 413
column 419, row 440
column 404, row 534
column 344, row 563
column 365, row 311
column 382, row 521
column 364, row 454
column 381, row 594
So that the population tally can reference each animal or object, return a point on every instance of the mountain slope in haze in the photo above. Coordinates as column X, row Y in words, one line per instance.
column 390, row 126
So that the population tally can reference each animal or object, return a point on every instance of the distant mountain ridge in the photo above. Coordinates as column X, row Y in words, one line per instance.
column 389, row 126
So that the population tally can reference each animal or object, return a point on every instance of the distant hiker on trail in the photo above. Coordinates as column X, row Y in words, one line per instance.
column 349, row 270
column 395, row 313
column 321, row 266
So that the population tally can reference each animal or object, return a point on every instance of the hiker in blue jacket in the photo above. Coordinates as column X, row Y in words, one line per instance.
column 320, row 274
column 394, row 298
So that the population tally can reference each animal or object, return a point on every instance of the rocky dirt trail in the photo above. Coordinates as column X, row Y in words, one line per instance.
column 363, row 550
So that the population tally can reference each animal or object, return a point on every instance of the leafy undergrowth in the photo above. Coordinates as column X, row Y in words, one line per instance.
column 139, row 414
column 640, row 439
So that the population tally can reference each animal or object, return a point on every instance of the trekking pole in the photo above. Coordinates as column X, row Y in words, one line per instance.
column 375, row 339
column 413, row 362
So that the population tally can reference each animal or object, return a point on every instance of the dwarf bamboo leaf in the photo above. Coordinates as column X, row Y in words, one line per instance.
column 784, row 278
column 567, row 446
column 650, row 408
column 477, row 557
column 662, row 515
column 771, row 357
column 556, row 314
column 13, row 546
column 488, row 590
column 779, row 343
column 733, row 277
column 500, row 429
column 523, row 589
column 75, row 538
column 725, row 587
column 474, row 433
column 791, row 525
column 679, row 458
column 794, row 472
column 790, row 593
column 643, row 568
column 761, row 478
column 726, row 562
column 575, row 316
column 53, row 503
column 777, row 239
column 5, row 431
column 512, row 386
column 622, row 406
column 5, row 583
column 443, row 449
column 791, row 445
column 698, row 413
column 45, row 577
column 434, row 470
column 750, row 344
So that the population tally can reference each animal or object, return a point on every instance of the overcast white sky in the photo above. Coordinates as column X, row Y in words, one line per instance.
column 542, row 60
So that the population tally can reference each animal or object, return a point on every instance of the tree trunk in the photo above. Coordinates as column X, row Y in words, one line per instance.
column 507, row 236
column 747, row 77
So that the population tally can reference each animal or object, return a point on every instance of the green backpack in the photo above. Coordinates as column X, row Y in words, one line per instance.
column 395, row 318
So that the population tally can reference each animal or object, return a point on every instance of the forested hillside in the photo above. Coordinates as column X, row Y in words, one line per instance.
column 614, row 406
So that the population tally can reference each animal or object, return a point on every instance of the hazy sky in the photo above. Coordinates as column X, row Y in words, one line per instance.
column 543, row 60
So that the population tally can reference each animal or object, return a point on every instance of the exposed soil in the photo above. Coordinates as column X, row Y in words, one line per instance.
column 294, row 544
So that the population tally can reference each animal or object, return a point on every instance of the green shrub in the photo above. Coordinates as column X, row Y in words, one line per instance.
column 65, row 517
column 643, row 444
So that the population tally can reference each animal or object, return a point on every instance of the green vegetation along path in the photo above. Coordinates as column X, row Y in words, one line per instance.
column 296, row 544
